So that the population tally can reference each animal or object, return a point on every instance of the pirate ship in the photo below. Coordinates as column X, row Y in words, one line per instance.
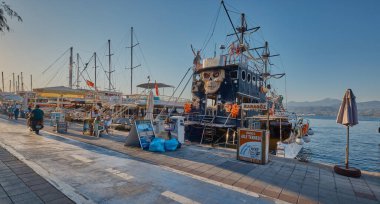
column 222, row 83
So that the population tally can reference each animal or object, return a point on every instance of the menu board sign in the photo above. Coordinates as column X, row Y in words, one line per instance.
column 250, row 145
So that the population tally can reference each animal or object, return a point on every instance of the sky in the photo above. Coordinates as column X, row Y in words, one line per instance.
column 325, row 46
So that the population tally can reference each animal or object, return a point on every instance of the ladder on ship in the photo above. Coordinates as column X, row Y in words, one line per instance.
column 209, row 130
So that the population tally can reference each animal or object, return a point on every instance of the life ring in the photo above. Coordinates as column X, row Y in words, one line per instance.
column 187, row 107
column 235, row 110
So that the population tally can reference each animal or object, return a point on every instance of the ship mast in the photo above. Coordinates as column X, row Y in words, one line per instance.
column 71, row 68
column 242, row 29
column 132, row 67
column 77, row 84
column 109, row 66
column 95, row 67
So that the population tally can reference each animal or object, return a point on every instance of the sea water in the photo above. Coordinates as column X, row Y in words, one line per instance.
column 328, row 144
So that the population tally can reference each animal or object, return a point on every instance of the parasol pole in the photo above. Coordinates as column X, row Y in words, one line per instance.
column 347, row 146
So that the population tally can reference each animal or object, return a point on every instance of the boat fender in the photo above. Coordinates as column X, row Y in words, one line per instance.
column 306, row 139
column 310, row 132
column 299, row 141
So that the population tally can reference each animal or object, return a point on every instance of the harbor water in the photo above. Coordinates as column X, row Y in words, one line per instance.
column 329, row 142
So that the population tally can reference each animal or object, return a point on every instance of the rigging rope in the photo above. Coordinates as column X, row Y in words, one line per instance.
column 213, row 29
column 101, row 65
column 175, row 90
column 179, row 95
column 55, row 61
column 56, row 73
column 142, row 53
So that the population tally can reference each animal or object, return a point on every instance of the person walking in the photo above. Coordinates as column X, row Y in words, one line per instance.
column 107, row 123
column 16, row 111
column 96, row 126
column 10, row 112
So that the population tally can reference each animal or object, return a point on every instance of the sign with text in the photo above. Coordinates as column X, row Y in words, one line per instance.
column 62, row 127
column 250, row 145
column 254, row 106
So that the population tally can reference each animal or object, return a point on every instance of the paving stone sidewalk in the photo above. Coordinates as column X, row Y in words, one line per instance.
column 285, row 179
column 20, row 184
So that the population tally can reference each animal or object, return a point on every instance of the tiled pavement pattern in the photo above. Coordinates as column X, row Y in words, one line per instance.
column 285, row 179
column 20, row 184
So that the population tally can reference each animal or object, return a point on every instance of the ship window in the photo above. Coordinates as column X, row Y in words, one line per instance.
column 243, row 75
column 249, row 77
column 234, row 75
column 253, row 79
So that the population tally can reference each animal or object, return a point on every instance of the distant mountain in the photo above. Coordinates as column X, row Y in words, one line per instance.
column 322, row 103
column 330, row 107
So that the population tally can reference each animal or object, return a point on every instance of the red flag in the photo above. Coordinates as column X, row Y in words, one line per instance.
column 90, row 83
column 156, row 87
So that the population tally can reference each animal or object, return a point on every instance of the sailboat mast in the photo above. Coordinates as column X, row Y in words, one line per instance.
column 265, row 57
column 109, row 66
column 14, row 86
column 95, row 67
column 132, row 67
column 242, row 29
column 229, row 18
column 18, row 83
column 77, row 71
column 2, row 80
column 22, row 82
column 131, row 59
column 71, row 68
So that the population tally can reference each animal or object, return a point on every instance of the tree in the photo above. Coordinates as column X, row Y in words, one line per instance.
column 5, row 10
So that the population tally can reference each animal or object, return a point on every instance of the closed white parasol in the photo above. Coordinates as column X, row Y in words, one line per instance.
column 149, row 106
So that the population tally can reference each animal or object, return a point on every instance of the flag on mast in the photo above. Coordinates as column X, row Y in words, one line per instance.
column 90, row 83
column 156, row 87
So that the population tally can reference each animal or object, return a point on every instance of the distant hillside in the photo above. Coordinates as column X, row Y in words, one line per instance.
column 330, row 107
column 322, row 103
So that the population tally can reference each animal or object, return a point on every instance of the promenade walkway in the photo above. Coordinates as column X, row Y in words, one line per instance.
column 284, row 179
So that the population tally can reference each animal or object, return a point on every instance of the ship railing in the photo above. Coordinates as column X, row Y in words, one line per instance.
column 194, row 116
column 119, row 113
column 225, row 60
column 137, row 97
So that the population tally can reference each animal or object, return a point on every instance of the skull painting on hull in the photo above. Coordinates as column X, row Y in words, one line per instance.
column 212, row 80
